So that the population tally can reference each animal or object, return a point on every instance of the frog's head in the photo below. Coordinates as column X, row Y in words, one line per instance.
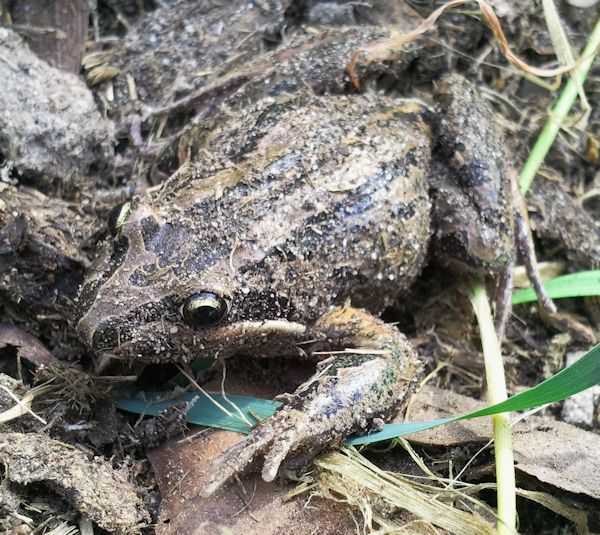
column 164, row 287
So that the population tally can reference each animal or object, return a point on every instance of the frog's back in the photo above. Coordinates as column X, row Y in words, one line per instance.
column 306, row 200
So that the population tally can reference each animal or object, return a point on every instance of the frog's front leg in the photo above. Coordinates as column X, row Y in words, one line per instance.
column 368, row 374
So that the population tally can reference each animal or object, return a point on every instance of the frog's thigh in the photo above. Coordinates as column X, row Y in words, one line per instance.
column 473, row 196
column 355, row 327
column 364, row 347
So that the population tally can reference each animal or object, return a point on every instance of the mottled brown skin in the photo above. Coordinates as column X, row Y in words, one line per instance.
column 299, row 204
column 292, row 210
column 473, row 206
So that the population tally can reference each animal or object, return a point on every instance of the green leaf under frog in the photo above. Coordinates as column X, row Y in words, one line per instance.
column 581, row 375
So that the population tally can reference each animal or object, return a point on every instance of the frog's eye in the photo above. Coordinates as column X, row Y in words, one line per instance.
column 117, row 216
column 203, row 309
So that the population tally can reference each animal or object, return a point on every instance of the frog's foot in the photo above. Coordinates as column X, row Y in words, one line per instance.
column 525, row 242
column 349, row 391
column 504, row 292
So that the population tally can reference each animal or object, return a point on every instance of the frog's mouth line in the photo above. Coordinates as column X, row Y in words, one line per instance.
column 166, row 336
column 245, row 329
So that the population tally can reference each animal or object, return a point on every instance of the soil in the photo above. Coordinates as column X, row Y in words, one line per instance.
column 73, row 145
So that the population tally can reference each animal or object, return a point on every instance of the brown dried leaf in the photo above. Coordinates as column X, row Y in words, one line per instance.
column 256, row 508
column 252, row 507
column 553, row 452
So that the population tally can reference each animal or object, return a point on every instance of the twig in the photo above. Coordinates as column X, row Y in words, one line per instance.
column 387, row 49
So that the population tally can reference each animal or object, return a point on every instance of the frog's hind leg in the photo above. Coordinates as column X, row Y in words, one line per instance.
column 524, row 240
column 504, row 291
column 370, row 371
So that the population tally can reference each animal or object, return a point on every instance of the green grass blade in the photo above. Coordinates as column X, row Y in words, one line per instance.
column 204, row 412
column 582, row 284
column 581, row 375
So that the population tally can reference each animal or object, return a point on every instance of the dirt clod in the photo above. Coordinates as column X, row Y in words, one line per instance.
column 62, row 140
column 92, row 487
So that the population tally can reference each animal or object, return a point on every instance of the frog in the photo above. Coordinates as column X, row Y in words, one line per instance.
column 300, row 219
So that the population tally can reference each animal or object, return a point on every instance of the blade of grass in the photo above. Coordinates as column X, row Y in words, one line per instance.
column 204, row 412
column 563, row 51
column 496, row 385
column 576, row 378
column 559, row 112
column 581, row 284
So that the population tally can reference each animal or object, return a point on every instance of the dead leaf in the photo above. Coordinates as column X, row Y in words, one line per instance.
column 28, row 347
column 553, row 452
column 256, row 508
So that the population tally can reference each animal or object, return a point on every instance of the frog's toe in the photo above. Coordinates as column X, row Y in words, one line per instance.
column 277, row 453
column 275, row 438
column 236, row 459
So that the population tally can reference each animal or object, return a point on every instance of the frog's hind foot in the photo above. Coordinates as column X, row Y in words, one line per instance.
column 525, row 242
column 350, row 390
column 237, row 458
column 274, row 439
column 339, row 399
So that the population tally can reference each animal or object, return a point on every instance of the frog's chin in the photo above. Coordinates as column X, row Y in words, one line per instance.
column 160, row 342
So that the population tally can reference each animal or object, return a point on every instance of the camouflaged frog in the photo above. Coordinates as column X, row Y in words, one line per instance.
column 297, row 223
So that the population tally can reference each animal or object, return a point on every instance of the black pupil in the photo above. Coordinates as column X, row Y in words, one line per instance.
column 203, row 309
column 205, row 315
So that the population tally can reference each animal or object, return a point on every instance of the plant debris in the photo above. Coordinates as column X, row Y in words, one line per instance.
column 28, row 347
column 76, row 144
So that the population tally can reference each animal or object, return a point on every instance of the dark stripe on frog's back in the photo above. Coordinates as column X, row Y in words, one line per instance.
column 353, row 273
column 353, row 217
